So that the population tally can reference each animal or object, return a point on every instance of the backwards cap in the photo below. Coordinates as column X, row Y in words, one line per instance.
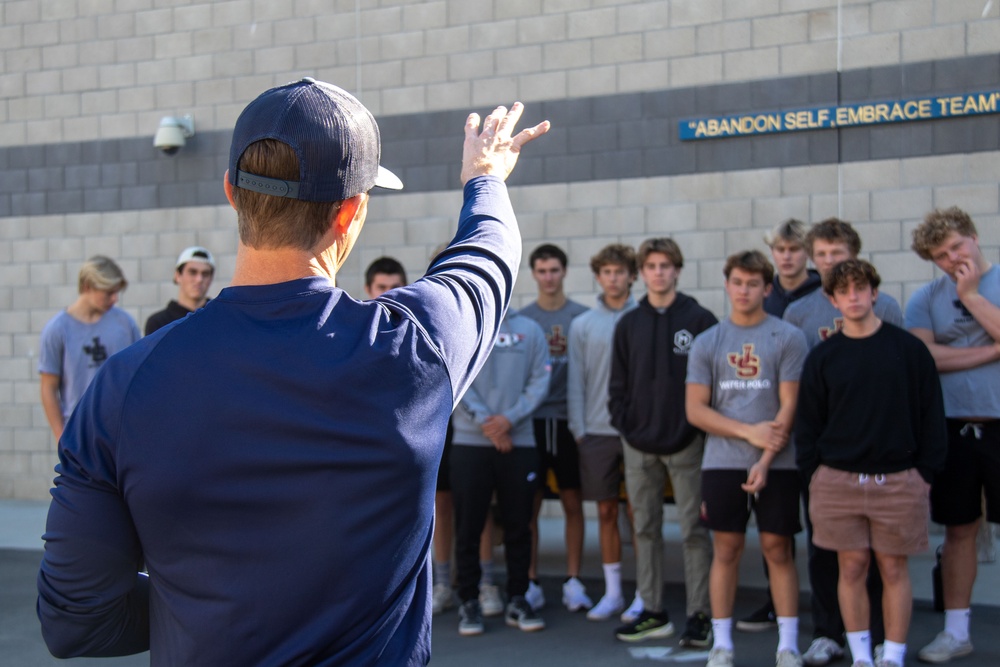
column 334, row 136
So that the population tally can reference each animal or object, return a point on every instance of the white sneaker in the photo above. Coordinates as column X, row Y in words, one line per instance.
column 944, row 648
column 720, row 657
column 634, row 610
column 606, row 608
column 489, row 600
column 442, row 598
column 535, row 596
column 822, row 651
column 575, row 595
column 787, row 658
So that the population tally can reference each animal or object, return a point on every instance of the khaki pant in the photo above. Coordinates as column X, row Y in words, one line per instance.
column 645, row 479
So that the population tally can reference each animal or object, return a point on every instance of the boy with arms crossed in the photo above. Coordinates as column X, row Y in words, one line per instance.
column 868, row 450
column 590, row 339
column 958, row 317
column 829, row 243
column 742, row 381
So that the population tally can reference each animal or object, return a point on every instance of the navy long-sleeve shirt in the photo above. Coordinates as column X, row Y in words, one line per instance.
column 272, row 460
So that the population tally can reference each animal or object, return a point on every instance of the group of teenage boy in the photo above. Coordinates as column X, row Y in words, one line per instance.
column 815, row 387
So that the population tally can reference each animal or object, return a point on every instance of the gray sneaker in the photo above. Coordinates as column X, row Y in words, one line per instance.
column 787, row 658
column 822, row 651
column 720, row 657
column 520, row 615
column 944, row 648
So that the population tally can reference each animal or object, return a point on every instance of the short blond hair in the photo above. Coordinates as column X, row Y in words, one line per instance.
column 936, row 227
column 790, row 230
column 101, row 273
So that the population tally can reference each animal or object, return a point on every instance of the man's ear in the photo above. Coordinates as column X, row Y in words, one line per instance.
column 228, row 188
column 348, row 211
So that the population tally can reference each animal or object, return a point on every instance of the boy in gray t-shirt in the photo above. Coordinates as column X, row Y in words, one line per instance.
column 77, row 341
column 742, row 383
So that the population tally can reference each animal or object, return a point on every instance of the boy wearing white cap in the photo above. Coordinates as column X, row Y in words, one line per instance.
column 193, row 276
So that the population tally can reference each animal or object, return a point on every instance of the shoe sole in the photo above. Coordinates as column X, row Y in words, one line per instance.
column 656, row 633
column 470, row 632
column 525, row 628
column 689, row 642
column 832, row 658
column 934, row 661
column 576, row 607
column 591, row 617
column 755, row 626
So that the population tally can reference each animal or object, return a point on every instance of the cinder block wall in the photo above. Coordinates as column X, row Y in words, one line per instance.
column 84, row 84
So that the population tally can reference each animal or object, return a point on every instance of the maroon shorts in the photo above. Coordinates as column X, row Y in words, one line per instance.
column 853, row 511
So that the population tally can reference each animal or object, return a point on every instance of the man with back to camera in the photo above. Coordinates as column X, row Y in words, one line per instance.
column 792, row 281
column 869, row 435
column 742, row 381
column 590, row 339
column 829, row 243
column 76, row 342
column 193, row 275
column 646, row 402
column 557, row 448
column 382, row 275
column 255, row 514
column 958, row 317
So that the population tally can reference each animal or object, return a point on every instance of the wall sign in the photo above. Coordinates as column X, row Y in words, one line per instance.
column 847, row 115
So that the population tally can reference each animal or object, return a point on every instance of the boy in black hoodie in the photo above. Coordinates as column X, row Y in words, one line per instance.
column 646, row 401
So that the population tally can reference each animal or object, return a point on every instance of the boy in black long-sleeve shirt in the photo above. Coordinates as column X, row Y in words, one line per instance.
column 869, row 434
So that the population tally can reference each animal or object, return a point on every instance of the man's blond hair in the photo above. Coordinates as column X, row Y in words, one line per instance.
column 101, row 273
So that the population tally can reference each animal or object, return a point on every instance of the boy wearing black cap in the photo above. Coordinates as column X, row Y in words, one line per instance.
column 286, row 518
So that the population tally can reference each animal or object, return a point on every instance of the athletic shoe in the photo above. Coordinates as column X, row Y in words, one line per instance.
column 442, row 598
column 575, row 595
column 862, row 663
column 698, row 632
column 489, row 600
column 787, row 658
column 647, row 626
column 879, row 652
column 606, row 607
column 822, row 651
column 720, row 657
column 535, row 596
column 470, row 619
column 944, row 648
column 759, row 621
column 887, row 663
column 520, row 615
column 634, row 610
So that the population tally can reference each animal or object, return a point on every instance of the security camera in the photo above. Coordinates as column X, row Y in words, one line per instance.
column 172, row 133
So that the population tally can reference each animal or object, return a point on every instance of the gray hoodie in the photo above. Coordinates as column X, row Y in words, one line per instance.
column 513, row 382
column 590, row 342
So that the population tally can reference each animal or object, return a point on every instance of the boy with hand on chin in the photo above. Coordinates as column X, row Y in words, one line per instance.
column 869, row 435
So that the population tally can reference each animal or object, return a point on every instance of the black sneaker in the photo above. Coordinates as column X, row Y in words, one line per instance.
column 470, row 618
column 520, row 615
column 760, row 621
column 698, row 633
column 647, row 626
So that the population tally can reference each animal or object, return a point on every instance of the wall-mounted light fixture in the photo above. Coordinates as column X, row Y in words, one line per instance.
column 172, row 132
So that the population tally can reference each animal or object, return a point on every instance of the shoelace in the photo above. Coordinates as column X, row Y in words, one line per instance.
column 977, row 430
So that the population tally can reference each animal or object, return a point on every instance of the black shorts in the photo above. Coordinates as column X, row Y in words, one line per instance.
column 557, row 452
column 971, row 469
column 444, row 470
column 726, row 507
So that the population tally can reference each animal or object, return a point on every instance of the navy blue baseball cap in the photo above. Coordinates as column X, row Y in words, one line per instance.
column 334, row 136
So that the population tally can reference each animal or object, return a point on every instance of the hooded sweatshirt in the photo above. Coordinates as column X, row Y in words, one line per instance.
column 648, row 371
column 779, row 299
column 514, row 381
column 590, row 339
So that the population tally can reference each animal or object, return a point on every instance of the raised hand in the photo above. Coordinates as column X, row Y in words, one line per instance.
column 493, row 150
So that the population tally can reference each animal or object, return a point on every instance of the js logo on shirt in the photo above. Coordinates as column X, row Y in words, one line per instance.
column 826, row 332
column 747, row 364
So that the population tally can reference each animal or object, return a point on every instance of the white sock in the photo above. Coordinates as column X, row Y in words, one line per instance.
column 613, row 580
column 788, row 633
column 722, row 630
column 956, row 623
column 486, row 573
column 893, row 652
column 861, row 646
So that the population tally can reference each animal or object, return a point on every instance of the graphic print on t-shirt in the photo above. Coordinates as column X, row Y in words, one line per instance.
column 96, row 351
column 966, row 315
column 557, row 341
column 507, row 339
column 746, row 363
column 826, row 332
